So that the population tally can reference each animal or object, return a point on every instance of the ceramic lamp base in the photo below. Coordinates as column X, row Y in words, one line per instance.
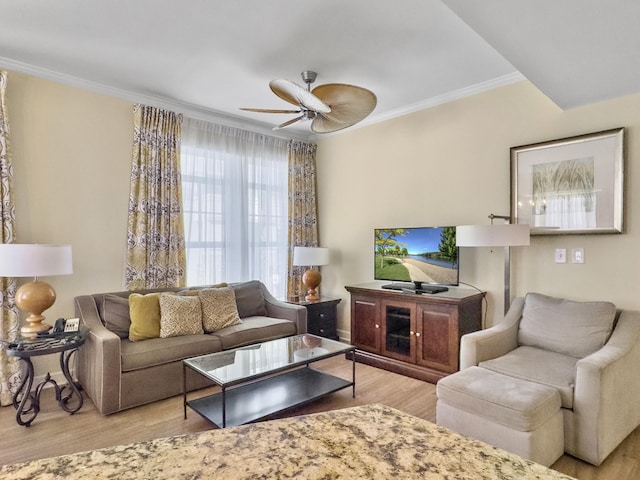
column 311, row 279
column 34, row 298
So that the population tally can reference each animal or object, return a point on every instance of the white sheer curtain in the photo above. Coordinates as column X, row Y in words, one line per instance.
column 234, row 189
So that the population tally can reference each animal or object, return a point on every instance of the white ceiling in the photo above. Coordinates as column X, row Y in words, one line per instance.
column 210, row 57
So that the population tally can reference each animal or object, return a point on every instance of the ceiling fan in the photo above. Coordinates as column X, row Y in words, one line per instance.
column 330, row 107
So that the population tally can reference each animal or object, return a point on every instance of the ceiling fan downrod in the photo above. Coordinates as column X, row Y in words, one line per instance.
column 309, row 77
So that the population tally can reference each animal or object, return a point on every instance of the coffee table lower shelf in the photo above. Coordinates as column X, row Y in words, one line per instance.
column 254, row 401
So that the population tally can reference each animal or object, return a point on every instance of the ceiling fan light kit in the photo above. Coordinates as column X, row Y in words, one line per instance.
column 330, row 107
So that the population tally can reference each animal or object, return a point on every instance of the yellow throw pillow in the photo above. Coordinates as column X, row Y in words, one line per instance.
column 144, row 311
column 180, row 315
column 219, row 308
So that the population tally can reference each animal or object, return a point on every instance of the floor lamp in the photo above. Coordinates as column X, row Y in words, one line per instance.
column 505, row 235
column 35, row 260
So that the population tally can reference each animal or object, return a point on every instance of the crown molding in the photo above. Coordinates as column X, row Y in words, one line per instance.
column 469, row 91
column 215, row 116
column 191, row 110
column 447, row 97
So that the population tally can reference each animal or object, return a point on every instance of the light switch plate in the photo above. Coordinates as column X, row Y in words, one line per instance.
column 561, row 255
column 577, row 255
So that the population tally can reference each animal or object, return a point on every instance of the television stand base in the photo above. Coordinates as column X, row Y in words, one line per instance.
column 417, row 289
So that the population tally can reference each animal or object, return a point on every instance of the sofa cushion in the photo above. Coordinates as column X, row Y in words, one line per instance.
column 249, row 299
column 219, row 308
column 145, row 316
column 541, row 366
column 253, row 330
column 564, row 326
column 160, row 351
column 115, row 314
column 180, row 315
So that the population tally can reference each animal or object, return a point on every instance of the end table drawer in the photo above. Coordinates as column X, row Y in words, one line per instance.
column 324, row 328
column 321, row 313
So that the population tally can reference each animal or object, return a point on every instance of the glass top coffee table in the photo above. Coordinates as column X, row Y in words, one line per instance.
column 266, row 378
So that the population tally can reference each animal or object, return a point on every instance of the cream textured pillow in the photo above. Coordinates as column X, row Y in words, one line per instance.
column 219, row 308
column 180, row 315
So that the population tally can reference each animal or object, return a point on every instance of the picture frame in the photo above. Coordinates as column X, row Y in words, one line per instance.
column 570, row 186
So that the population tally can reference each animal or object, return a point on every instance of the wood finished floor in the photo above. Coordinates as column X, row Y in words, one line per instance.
column 56, row 433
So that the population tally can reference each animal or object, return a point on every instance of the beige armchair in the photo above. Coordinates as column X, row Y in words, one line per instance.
column 588, row 351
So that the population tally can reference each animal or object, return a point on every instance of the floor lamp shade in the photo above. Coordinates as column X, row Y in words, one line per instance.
column 500, row 235
column 308, row 257
column 35, row 260
column 504, row 235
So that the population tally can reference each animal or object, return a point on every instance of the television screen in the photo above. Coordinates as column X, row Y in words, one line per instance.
column 418, row 254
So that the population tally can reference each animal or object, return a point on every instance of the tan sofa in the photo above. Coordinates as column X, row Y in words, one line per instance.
column 117, row 373
column 588, row 352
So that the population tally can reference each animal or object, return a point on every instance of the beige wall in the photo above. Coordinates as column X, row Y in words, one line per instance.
column 450, row 165
column 71, row 152
column 445, row 165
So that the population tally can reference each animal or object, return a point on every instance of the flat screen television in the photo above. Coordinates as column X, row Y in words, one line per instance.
column 415, row 256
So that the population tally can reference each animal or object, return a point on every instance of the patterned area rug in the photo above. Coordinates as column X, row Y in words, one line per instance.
column 366, row 442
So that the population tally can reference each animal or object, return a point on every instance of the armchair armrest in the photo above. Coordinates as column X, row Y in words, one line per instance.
column 607, row 389
column 476, row 347
column 99, row 364
column 279, row 309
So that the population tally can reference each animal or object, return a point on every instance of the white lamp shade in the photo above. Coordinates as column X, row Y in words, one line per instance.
column 502, row 235
column 34, row 260
column 310, row 256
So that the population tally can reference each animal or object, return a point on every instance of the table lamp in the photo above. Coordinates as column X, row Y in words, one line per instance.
column 308, row 257
column 501, row 235
column 35, row 260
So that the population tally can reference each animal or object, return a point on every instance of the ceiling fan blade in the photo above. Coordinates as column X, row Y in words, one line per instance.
column 349, row 105
column 269, row 110
column 289, row 122
column 322, row 124
column 297, row 95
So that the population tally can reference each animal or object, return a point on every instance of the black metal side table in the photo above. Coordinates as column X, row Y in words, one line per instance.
column 27, row 402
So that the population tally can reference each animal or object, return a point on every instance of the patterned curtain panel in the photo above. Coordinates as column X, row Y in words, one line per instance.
column 10, row 371
column 303, row 225
column 155, row 236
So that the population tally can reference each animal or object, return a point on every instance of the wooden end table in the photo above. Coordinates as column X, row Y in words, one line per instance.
column 322, row 316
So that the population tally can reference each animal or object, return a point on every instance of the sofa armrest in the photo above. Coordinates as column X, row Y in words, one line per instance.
column 476, row 347
column 279, row 309
column 607, row 389
column 99, row 363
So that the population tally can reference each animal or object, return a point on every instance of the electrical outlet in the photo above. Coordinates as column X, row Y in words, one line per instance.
column 561, row 255
column 577, row 255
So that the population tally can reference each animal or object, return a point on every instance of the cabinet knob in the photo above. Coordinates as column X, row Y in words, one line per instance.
column 321, row 315
column 411, row 332
column 417, row 334
column 322, row 330
column 377, row 325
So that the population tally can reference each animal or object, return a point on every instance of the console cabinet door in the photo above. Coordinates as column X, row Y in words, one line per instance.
column 437, row 337
column 398, row 325
column 365, row 323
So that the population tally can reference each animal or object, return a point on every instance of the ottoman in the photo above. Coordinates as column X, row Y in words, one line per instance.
column 516, row 415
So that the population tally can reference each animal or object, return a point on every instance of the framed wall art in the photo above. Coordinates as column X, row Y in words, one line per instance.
column 571, row 185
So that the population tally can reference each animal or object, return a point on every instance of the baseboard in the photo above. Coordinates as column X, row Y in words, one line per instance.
column 57, row 377
column 344, row 335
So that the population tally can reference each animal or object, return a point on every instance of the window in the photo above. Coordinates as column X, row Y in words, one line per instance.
column 234, row 190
